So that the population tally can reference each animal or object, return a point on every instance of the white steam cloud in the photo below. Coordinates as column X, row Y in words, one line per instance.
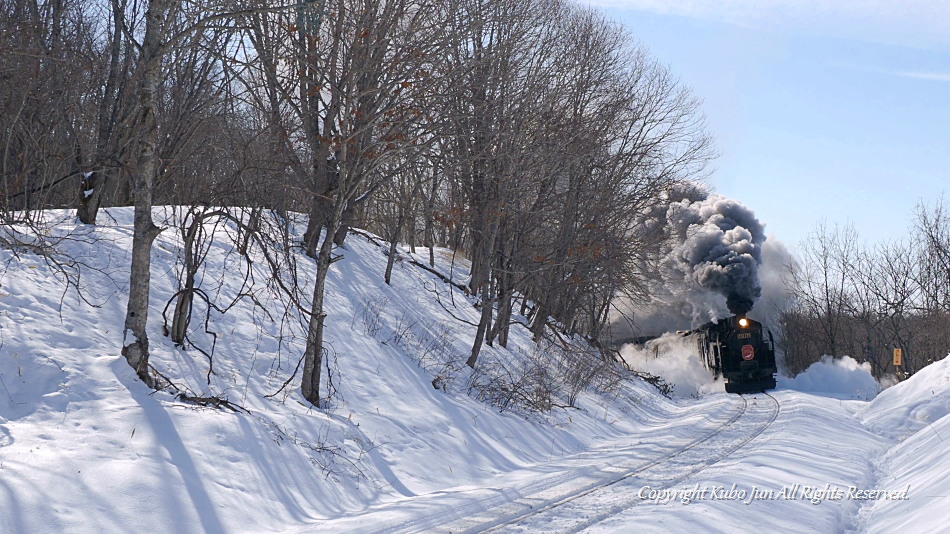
column 676, row 359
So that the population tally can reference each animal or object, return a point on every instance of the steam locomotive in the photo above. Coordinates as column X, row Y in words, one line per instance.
column 740, row 350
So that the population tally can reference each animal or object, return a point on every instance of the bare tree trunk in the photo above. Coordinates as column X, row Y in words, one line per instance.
column 94, row 183
column 429, row 232
column 186, row 295
column 313, row 354
column 484, row 324
column 394, row 240
column 540, row 318
column 317, row 123
column 503, row 321
column 135, row 338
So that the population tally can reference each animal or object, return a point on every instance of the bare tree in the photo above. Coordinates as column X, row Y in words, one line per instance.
column 820, row 283
column 103, row 181
column 350, row 105
column 166, row 26
column 46, row 49
column 148, row 79
column 933, row 231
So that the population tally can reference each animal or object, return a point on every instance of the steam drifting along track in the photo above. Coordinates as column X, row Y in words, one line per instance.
column 563, row 504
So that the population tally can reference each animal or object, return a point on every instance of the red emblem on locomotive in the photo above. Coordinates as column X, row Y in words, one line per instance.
column 748, row 352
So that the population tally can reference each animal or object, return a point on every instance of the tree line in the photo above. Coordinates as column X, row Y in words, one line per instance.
column 864, row 301
column 531, row 136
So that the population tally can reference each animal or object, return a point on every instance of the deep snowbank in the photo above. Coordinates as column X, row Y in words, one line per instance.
column 909, row 406
column 916, row 412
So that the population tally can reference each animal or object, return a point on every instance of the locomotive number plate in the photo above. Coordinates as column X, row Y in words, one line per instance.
column 746, row 335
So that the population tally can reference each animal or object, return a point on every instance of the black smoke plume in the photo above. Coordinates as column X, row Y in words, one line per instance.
column 721, row 248
column 708, row 262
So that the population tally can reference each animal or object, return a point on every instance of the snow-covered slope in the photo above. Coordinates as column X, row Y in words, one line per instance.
column 85, row 447
column 907, row 408
column 917, row 413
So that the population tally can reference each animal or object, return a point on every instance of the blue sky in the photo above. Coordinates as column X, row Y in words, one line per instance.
column 821, row 110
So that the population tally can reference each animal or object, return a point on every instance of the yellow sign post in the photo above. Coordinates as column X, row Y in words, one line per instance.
column 898, row 355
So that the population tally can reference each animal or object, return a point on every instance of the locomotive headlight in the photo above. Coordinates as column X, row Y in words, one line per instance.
column 743, row 322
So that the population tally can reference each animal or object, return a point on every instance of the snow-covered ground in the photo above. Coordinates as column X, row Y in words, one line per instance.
column 85, row 447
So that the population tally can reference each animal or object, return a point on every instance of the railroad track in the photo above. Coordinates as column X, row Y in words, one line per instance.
column 533, row 506
column 578, row 512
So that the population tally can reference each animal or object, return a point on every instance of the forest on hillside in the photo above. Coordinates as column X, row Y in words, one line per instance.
column 532, row 137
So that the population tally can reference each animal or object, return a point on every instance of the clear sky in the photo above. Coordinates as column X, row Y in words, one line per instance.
column 821, row 109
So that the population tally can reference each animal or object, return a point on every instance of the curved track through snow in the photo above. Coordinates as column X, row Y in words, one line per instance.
column 575, row 507
column 577, row 513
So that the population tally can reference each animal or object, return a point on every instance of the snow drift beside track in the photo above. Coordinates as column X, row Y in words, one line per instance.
column 915, row 412
column 842, row 378
column 909, row 406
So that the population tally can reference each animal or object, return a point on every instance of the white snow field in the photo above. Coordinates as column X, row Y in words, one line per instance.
column 404, row 445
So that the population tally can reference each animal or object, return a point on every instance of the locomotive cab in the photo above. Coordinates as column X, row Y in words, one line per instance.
column 740, row 350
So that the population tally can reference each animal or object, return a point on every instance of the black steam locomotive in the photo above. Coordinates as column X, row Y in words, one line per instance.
column 741, row 351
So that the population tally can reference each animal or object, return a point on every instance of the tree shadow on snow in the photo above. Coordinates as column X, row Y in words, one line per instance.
column 166, row 434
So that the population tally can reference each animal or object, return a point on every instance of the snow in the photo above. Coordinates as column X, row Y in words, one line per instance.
column 673, row 357
column 812, row 445
column 837, row 377
column 920, row 463
column 405, row 444
column 908, row 407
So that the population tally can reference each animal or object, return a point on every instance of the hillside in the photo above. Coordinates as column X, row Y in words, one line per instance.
column 409, row 437
column 86, row 447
